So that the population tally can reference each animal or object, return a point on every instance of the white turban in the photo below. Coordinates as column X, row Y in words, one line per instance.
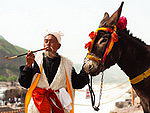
column 57, row 35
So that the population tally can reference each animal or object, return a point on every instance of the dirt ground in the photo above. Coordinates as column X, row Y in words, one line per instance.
column 130, row 109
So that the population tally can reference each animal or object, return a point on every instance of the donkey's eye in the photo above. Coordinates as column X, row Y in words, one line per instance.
column 104, row 40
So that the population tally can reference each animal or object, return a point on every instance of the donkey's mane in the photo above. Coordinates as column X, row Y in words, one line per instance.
column 126, row 31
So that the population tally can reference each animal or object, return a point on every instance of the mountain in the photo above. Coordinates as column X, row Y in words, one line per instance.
column 10, row 68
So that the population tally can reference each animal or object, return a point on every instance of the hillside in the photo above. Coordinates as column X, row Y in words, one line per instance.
column 10, row 67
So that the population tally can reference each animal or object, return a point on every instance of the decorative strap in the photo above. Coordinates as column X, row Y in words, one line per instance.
column 70, row 92
column 114, row 38
column 140, row 77
column 30, row 90
column 91, row 57
column 104, row 29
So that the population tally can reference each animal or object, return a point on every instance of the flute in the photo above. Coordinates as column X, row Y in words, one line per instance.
column 16, row 56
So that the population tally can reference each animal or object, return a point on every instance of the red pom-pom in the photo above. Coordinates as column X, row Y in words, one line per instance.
column 122, row 23
column 92, row 35
column 88, row 45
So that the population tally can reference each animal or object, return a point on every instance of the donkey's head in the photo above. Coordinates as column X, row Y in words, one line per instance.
column 104, row 50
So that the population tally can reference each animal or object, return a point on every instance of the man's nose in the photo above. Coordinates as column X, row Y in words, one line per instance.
column 48, row 43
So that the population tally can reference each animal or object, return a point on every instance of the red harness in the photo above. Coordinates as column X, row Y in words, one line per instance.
column 113, row 39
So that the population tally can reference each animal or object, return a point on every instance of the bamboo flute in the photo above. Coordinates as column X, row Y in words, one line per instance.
column 16, row 56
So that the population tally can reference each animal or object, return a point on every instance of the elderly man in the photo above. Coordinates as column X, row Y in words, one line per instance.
column 51, row 79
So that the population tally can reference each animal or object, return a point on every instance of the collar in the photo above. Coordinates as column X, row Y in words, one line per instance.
column 140, row 77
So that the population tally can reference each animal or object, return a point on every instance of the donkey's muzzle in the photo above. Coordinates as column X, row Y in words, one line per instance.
column 93, row 65
column 90, row 66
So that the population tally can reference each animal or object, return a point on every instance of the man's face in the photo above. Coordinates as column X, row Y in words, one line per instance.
column 51, row 43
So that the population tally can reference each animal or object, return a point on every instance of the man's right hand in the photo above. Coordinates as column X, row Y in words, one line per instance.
column 29, row 59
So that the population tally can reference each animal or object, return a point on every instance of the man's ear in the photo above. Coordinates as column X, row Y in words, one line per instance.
column 59, row 45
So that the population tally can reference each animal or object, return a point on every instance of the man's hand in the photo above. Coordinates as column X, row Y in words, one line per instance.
column 29, row 59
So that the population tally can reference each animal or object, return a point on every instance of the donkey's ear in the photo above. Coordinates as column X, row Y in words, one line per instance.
column 113, row 20
column 104, row 20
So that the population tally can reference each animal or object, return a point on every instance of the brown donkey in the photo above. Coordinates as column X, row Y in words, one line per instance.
column 112, row 43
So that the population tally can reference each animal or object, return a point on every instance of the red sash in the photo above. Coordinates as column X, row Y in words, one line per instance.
column 46, row 101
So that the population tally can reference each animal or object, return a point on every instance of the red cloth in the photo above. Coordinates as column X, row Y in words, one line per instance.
column 46, row 100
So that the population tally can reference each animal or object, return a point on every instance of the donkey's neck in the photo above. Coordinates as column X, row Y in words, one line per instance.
column 135, row 58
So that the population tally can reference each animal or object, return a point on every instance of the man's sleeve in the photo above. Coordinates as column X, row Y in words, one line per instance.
column 79, row 80
column 26, row 75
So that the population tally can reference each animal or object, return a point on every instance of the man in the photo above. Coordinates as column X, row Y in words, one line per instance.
column 51, row 79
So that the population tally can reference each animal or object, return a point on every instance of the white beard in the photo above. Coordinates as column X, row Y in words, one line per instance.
column 49, row 54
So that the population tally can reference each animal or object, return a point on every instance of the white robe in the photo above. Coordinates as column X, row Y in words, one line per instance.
column 59, row 81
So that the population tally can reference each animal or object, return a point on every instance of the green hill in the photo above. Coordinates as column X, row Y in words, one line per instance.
column 9, row 68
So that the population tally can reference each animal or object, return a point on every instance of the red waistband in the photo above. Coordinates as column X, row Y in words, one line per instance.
column 38, row 88
column 40, row 94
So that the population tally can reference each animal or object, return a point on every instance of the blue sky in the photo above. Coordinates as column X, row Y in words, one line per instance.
column 24, row 22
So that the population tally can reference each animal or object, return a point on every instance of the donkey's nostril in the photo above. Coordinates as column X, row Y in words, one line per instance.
column 90, row 67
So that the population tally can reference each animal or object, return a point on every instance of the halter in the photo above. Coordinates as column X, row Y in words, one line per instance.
column 113, row 39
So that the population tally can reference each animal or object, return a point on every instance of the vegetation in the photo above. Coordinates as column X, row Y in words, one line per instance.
column 6, row 79
column 9, row 69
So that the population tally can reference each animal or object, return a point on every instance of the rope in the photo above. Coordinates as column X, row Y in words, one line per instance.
column 107, row 88
column 105, row 102
column 116, row 98
column 116, row 86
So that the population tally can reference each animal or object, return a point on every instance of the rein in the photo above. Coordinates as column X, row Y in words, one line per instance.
column 96, row 108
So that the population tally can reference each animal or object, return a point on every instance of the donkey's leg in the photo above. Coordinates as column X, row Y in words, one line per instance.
column 145, row 105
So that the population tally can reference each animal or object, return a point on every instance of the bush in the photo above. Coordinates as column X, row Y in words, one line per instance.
column 3, row 78
column 12, row 78
column 6, row 79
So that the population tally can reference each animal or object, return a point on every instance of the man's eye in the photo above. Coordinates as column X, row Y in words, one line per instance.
column 45, row 41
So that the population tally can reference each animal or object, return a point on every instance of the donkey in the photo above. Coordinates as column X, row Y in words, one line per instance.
column 112, row 43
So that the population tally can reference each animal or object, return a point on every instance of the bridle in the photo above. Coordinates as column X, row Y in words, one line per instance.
column 90, row 56
column 113, row 39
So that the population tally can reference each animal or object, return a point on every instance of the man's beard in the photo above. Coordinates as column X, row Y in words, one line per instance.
column 50, row 54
